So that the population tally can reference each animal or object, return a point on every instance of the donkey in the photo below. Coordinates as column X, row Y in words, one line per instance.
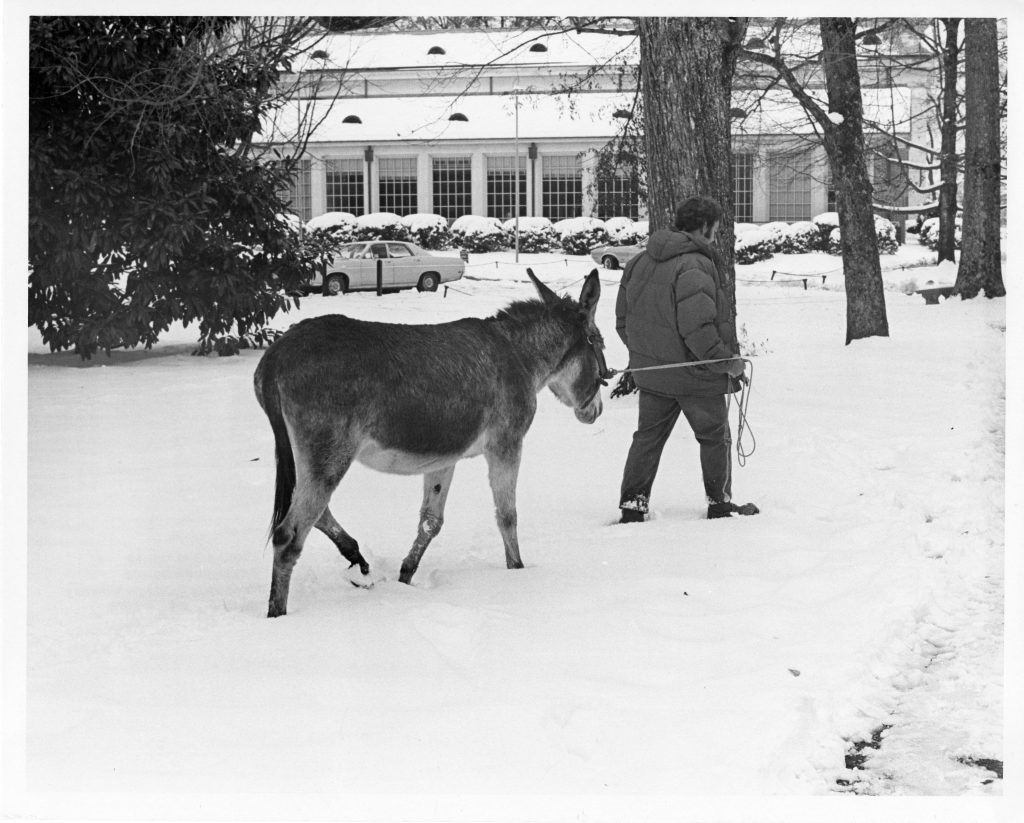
column 416, row 399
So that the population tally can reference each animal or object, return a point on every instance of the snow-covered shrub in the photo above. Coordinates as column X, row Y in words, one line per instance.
column 478, row 234
column 536, row 234
column 641, row 231
column 885, row 231
column 753, row 245
column 617, row 228
column 428, row 231
column 776, row 233
column 929, row 234
column 739, row 229
column 581, row 234
column 802, row 237
column 834, row 241
column 826, row 221
column 334, row 226
column 382, row 225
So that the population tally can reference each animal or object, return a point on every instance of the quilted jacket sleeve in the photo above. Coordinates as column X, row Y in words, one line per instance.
column 696, row 315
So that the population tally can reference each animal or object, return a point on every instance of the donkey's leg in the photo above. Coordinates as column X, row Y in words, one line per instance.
column 503, row 472
column 346, row 544
column 435, row 493
column 318, row 469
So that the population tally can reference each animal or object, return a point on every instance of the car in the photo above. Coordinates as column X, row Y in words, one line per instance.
column 404, row 266
column 615, row 257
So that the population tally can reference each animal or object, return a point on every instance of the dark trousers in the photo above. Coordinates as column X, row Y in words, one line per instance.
column 709, row 419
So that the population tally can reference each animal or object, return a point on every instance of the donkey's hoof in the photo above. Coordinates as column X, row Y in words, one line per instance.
column 359, row 577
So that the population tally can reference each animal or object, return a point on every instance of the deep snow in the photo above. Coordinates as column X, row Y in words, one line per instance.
column 629, row 672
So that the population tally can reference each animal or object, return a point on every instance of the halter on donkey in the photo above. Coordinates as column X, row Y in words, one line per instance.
column 416, row 399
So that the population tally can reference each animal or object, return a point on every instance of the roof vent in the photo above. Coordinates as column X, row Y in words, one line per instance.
column 460, row 117
column 538, row 47
column 436, row 50
column 352, row 118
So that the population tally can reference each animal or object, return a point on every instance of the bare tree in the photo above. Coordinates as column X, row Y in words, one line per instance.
column 841, row 130
column 980, row 263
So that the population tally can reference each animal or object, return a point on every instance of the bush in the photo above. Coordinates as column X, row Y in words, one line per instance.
column 624, row 232
column 428, row 231
column 929, row 234
column 834, row 242
column 802, row 237
column 536, row 234
column 333, row 228
column 383, row 225
column 753, row 245
column 776, row 234
column 479, row 234
column 581, row 234
column 826, row 221
column 885, row 231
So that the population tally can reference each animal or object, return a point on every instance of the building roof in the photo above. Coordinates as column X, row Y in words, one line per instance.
column 375, row 50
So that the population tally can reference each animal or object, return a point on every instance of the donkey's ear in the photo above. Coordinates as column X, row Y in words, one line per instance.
column 591, row 293
column 546, row 294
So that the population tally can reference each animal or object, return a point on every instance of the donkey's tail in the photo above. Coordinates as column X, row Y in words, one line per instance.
column 270, row 399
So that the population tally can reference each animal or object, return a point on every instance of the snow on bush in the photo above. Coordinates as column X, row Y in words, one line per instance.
column 739, row 229
column 428, row 231
column 338, row 226
column 382, row 225
column 826, row 221
column 479, row 234
column 802, row 237
column 536, row 234
column 625, row 232
column 929, row 234
column 776, row 233
column 835, row 238
column 885, row 231
column 581, row 234
column 753, row 245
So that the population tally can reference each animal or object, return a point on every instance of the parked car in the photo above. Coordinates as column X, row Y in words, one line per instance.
column 405, row 266
column 614, row 257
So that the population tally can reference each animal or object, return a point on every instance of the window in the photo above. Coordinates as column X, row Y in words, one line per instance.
column 743, row 186
column 453, row 187
column 398, row 250
column 344, row 184
column 398, row 185
column 789, row 187
column 501, row 187
column 298, row 193
column 562, row 195
column 618, row 194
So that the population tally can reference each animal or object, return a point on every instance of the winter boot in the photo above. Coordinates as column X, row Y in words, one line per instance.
column 634, row 510
column 716, row 510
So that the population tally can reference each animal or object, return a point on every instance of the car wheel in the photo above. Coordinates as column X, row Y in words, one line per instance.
column 609, row 262
column 428, row 282
column 335, row 284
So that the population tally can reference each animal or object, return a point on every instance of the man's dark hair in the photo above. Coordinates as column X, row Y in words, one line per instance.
column 696, row 213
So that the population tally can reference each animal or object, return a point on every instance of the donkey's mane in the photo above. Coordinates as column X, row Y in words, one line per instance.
column 522, row 311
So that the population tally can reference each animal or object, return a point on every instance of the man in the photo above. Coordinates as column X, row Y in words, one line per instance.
column 673, row 308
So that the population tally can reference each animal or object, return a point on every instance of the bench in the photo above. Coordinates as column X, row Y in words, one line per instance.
column 932, row 294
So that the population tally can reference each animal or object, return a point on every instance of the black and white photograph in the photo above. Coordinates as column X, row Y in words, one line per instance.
column 583, row 417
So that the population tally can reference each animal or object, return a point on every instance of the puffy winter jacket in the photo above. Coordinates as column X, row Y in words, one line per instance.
column 672, row 308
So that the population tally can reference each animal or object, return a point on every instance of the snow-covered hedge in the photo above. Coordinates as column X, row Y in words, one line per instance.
column 335, row 226
column 383, row 225
column 929, row 234
column 885, row 231
column 753, row 245
column 536, row 234
column 625, row 232
column 581, row 234
column 428, row 231
column 776, row 233
column 802, row 237
column 835, row 237
column 479, row 234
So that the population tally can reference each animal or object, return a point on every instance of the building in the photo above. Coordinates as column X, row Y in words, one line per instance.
column 446, row 121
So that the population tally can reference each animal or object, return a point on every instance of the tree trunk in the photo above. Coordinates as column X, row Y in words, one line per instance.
column 686, row 70
column 948, row 157
column 844, row 144
column 980, row 263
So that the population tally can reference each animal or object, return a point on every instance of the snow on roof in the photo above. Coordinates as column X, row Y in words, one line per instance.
column 374, row 50
column 426, row 119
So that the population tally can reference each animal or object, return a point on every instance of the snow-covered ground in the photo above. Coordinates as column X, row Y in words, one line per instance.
column 676, row 669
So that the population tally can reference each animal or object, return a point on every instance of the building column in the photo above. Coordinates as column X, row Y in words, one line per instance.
column 478, row 183
column 424, row 183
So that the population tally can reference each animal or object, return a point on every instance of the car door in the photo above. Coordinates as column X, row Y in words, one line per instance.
column 368, row 266
column 405, row 265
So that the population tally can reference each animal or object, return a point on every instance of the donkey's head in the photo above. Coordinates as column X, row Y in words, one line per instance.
column 582, row 371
